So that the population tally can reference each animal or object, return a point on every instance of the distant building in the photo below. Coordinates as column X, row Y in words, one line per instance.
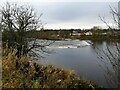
column 75, row 33
column 88, row 33
column 104, row 33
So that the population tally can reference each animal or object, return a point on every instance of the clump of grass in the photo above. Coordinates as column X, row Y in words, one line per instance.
column 24, row 73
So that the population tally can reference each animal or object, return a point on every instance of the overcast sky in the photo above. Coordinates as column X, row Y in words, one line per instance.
column 66, row 15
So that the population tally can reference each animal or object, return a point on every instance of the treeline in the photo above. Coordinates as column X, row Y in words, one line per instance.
column 98, row 34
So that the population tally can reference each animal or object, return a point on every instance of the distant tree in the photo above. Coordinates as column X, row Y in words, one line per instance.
column 71, row 31
column 16, row 21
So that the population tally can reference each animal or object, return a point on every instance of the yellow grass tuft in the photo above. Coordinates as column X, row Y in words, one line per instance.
column 24, row 73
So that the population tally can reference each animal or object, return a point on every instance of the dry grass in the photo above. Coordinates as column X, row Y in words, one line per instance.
column 23, row 73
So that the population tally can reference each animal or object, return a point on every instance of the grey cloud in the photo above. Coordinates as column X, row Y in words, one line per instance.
column 74, row 11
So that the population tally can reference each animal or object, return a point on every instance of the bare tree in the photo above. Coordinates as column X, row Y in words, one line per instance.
column 16, row 21
column 111, row 54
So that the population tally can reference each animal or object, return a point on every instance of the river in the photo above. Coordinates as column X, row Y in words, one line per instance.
column 82, row 57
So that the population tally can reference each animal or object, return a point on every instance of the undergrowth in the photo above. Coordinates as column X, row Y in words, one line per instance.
column 24, row 73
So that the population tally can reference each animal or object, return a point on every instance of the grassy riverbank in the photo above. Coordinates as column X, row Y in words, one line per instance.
column 24, row 73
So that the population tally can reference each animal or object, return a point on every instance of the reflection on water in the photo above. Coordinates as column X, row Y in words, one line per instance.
column 109, row 54
column 84, row 59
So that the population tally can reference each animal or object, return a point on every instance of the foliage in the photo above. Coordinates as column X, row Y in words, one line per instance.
column 15, row 22
column 97, row 35
column 24, row 73
column 110, row 54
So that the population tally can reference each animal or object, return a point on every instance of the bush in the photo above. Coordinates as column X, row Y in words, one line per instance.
column 24, row 73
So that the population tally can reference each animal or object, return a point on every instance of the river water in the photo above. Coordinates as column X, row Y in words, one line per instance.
column 82, row 57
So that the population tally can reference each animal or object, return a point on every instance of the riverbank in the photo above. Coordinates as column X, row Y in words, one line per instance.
column 24, row 73
column 96, row 35
column 92, row 38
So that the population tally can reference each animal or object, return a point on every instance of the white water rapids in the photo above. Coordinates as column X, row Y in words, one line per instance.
column 76, row 45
